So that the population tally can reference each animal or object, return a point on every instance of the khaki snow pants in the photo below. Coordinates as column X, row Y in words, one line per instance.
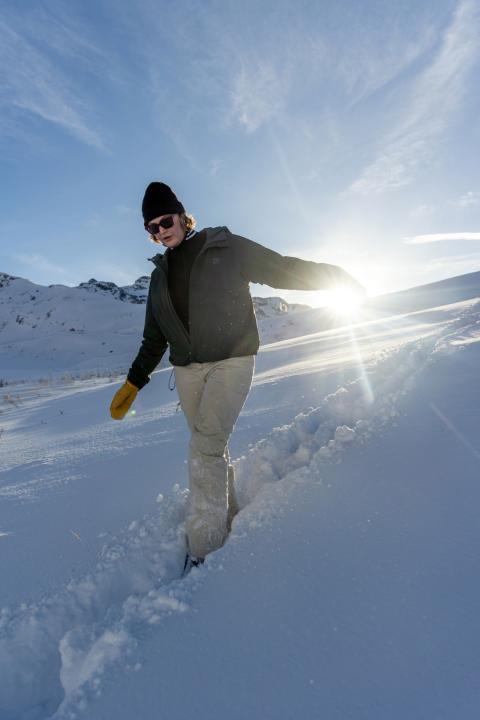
column 211, row 395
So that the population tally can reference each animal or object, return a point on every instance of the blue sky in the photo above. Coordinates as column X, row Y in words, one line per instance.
column 344, row 132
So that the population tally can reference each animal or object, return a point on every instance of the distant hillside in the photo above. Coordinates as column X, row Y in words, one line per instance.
column 443, row 292
column 96, row 326
column 136, row 293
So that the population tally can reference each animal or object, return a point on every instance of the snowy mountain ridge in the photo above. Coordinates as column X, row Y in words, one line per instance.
column 95, row 327
column 136, row 293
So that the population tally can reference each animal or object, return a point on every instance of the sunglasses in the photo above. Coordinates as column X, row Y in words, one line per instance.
column 165, row 223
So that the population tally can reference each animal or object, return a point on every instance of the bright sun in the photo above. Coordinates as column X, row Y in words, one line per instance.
column 343, row 301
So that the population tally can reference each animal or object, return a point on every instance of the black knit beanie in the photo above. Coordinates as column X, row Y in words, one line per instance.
column 158, row 200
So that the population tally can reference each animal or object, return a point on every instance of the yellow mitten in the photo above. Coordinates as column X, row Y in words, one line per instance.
column 122, row 400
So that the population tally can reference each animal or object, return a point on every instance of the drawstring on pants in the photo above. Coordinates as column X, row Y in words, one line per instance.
column 172, row 387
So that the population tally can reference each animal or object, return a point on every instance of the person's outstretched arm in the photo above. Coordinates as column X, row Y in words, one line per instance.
column 267, row 267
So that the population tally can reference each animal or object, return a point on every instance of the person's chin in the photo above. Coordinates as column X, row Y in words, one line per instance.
column 172, row 242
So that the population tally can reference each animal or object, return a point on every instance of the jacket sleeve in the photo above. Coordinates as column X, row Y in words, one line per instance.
column 267, row 267
column 151, row 350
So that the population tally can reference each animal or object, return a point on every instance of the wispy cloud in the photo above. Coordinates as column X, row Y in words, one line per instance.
column 468, row 199
column 214, row 166
column 125, row 210
column 94, row 221
column 40, row 263
column 32, row 83
column 467, row 259
column 62, row 31
column 423, row 211
column 236, row 68
column 116, row 274
column 441, row 237
column 266, row 83
column 347, row 53
column 222, row 75
column 454, row 265
column 379, row 52
column 260, row 91
column 434, row 100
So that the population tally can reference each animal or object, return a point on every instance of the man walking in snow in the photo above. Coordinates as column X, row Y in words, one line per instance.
column 199, row 305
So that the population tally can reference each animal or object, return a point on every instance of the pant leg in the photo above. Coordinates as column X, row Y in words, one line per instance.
column 227, row 383
column 190, row 381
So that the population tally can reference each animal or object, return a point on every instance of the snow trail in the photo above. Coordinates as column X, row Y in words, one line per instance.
column 49, row 648
column 53, row 653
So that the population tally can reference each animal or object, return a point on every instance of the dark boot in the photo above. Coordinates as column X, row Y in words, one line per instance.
column 191, row 562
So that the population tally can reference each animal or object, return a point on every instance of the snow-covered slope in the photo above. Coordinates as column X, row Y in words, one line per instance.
column 95, row 328
column 48, row 330
column 349, row 585
column 443, row 292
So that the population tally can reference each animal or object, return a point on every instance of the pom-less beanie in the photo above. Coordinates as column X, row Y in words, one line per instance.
column 158, row 200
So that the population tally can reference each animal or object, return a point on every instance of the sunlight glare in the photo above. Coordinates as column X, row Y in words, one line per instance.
column 344, row 301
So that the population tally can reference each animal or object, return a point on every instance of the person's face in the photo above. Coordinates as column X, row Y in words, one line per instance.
column 172, row 236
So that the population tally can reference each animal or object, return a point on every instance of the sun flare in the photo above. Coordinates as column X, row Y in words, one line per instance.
column 343, row 301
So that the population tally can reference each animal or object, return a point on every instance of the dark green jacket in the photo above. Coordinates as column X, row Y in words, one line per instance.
column 222, row 319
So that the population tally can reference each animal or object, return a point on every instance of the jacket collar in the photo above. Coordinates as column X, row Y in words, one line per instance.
column 215, row 237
